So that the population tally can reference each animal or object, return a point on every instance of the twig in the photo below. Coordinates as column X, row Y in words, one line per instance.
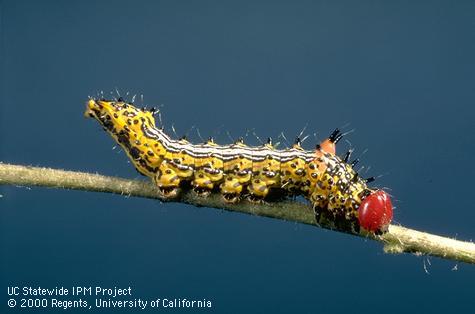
column 397, row 240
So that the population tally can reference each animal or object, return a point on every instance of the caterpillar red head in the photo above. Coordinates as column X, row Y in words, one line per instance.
column 375, row 211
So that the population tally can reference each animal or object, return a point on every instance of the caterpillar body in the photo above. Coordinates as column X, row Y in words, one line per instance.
column 329, row 182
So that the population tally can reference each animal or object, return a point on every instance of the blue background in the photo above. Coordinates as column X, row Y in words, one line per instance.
column 401, row 74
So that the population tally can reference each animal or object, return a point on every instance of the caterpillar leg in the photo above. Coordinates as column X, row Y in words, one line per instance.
column 206, row 176
column 202, row 185
column 319, row 199
column 238, row 172
column 258, row 190
column 231, row 189
column 265, row 175
column 167, row 181
column 205, row 180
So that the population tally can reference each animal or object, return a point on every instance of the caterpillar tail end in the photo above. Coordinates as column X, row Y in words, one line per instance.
column 90, row 105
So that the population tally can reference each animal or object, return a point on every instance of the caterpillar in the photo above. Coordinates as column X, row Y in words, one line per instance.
column 328, row 181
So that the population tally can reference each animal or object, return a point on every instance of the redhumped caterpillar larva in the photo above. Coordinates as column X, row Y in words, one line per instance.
column 329, row 182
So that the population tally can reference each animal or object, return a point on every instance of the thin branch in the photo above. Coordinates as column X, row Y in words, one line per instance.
column 397, row 240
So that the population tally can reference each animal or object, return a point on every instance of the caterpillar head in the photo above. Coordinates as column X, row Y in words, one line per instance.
column 375, row 211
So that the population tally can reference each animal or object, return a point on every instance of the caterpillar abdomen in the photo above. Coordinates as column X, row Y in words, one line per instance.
column 238, row 170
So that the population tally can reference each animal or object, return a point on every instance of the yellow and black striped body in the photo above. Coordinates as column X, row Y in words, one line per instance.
column 235, row 170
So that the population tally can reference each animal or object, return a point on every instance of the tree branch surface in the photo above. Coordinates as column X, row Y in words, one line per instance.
column 398, row 239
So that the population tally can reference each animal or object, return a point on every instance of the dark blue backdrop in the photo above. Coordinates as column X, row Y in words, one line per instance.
column 401, row 74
